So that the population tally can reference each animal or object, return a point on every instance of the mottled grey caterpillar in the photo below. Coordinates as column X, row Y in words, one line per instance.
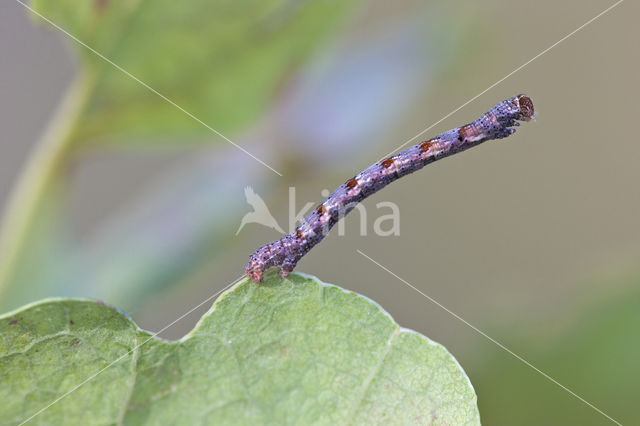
column 285, row 253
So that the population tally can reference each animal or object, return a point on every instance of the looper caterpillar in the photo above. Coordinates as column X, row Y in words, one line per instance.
column 497, row 123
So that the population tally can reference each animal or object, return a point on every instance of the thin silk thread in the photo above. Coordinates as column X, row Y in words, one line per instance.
column 497, row 123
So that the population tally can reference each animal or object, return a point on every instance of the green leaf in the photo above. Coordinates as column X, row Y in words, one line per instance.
column 590, row 345
column 220, row 60
column 286, row 351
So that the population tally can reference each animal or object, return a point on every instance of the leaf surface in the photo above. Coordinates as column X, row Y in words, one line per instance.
column 286, row 351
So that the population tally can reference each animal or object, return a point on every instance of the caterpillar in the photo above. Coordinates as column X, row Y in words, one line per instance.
column 497, row 123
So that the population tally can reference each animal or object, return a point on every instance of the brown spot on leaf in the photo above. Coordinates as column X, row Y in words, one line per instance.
column 299, row 234
column 320, row 209
column 387, row 162
column 75, row 342
column 13, row 322
column 71, row 322
column 351, row 183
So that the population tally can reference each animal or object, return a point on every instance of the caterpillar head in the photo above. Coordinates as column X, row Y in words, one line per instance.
column 525, row 107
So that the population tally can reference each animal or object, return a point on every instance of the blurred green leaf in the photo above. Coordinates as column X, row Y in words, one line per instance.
column 35, row 237
column 45, row 243
column 220, row 60
column 286, row 351
column 593, row 351
column 168, row 232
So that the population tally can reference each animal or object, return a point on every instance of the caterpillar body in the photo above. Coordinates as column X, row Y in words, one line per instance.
column 497, row 123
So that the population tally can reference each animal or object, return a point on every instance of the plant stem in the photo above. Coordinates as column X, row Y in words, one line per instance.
column 45, row 163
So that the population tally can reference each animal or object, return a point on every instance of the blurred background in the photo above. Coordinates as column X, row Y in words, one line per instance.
column 110, row 192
